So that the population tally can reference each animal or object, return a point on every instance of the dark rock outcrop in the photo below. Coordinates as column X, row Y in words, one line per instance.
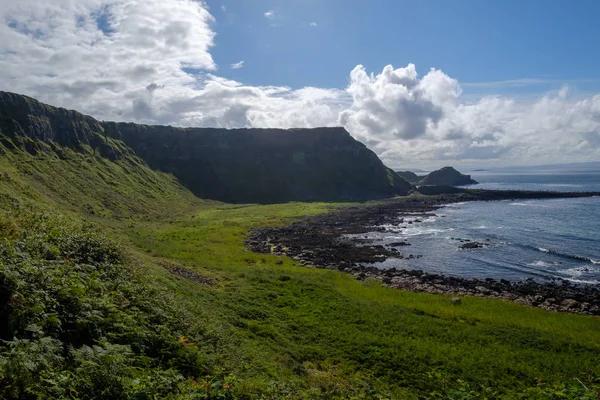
column 447, row 176
column 241, row 165
column 471, row 245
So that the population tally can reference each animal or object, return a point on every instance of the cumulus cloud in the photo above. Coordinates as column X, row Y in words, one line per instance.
column 237, row 65
column 149, row 61
column 85, row 54
column 313, row 24
column 410, row 119
column 393, row 104
column 270, row 14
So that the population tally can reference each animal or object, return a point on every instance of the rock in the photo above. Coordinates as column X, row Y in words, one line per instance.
column 397, row 244
column 471, row 245
column 569, row 303
column 455, row 300
column 483, row 290
column 187, row 273
column 447, row 176
column 522, row 300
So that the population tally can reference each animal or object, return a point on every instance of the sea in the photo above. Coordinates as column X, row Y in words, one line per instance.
column 538, row 239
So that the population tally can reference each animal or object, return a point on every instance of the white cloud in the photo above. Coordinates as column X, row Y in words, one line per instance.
column 223, row 8
column 96, row 55
column 237, row 65
column 313, row 24
column 434, row 125
column 149, row 61
column 270, row 14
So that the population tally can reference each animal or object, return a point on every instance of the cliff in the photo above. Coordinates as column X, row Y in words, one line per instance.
column 242, row 165
column 265, row 165
column 36, row 127
column 447, row 176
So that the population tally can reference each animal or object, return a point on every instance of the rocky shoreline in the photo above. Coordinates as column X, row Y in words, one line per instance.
column 334, row 241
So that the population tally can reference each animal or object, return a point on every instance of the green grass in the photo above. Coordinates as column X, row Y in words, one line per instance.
column 92, row 185
column 267, row 328
column 290, row 315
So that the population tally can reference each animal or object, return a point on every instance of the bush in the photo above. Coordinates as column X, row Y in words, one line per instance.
column 76, row 320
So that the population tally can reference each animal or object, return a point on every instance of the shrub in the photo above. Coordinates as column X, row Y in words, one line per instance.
column 77, row 321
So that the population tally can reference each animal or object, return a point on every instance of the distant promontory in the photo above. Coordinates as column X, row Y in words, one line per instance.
column 446, row 176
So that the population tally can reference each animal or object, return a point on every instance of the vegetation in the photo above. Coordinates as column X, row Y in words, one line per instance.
column 175, row 307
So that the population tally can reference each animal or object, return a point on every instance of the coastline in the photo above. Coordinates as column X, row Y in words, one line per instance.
column 321, row 242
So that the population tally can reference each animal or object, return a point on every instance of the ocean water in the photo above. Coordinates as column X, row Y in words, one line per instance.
column 539, row 239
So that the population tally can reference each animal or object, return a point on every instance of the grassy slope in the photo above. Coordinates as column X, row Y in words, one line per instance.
column 94, row 186
column 290, row 315
column 289, row 331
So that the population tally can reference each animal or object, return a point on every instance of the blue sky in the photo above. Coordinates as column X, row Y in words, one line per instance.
column 549, row 42
column 513, row 82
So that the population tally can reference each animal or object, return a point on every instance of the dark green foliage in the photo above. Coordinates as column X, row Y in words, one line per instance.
column 78, row 322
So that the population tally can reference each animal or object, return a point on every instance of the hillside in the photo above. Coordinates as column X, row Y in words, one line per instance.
column 53, row 155
column 116, row 282
column 244, row 165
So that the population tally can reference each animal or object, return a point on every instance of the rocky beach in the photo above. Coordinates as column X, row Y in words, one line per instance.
column 337, row 241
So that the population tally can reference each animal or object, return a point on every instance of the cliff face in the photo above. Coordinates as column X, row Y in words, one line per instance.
column 265, row 165
column 29, row 124
column 243, row 165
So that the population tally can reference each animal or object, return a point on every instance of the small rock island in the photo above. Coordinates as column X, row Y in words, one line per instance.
column 446, row 176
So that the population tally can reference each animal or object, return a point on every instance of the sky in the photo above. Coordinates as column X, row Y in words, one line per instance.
column 423, row 83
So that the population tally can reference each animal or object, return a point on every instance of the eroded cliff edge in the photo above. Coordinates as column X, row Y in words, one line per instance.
column 240, row 165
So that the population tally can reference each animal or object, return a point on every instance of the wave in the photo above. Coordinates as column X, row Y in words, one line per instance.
column 591, row 282
column 416, row 231
column 560, row 184
column 542, row 263
column 525, row 270
column 531, row 203
column 453, row 205
column 578, row 271
column 569, row 256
